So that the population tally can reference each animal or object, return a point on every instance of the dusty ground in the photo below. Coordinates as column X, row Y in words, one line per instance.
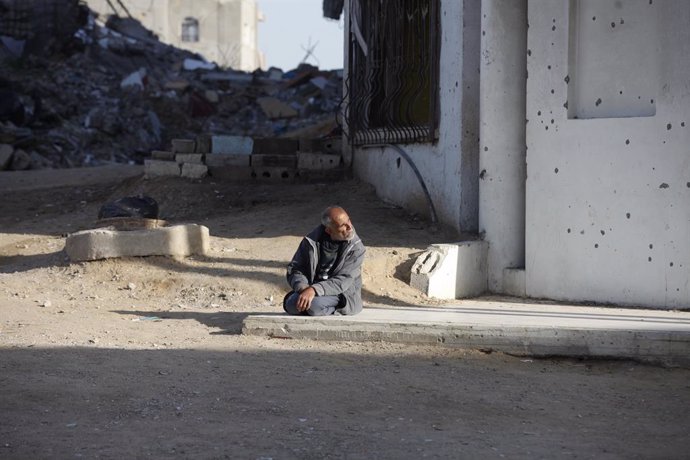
column 139, row 358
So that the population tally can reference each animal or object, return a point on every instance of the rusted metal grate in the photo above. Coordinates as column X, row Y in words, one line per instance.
column 392, row 84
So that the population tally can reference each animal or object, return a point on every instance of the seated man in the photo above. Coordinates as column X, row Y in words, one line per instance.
column 326, row 271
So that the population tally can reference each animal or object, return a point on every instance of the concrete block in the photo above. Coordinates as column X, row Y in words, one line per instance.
column 160, row 155
column 236, row 145
column 6, row 152
column 227, row 160
column 333, row 145
column 195, row 158
column 451, row 271
column 157, row 168
column 514, row 282
column 231, row 173
column 183, row 145
column 274, row 174
column 194, row 171
column 281, row 161
column 177, row 240
column 309, row 145
column 203, row 143
column 275, row 146
column 317, row 161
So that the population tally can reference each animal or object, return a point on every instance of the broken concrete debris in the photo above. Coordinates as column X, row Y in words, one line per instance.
column 111, row 92
column 242, row 158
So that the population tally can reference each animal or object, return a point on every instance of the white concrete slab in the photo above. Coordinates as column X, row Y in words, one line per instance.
column 516, row 328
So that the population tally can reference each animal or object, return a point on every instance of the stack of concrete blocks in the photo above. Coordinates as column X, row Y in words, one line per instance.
column 183, row 160
column 241, row 158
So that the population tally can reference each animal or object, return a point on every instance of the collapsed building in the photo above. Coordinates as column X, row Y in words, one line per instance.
column 77, row 89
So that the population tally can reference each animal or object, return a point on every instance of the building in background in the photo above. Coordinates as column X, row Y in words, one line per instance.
column 222, row 31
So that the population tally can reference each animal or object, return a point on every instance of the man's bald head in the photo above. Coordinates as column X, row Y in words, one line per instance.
column 337, row 223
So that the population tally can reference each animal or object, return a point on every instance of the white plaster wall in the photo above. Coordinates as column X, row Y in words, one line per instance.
column 608, row 199
column 441, row 165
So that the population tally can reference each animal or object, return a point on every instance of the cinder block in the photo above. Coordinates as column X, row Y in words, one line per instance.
column 6, row 152
column 237, row 145
column 274, row 174
column 177, row 240
column 203, row 143
column 196, row 158
column 194, row 171
column 275, row 146
column 227, row 160
column 183, row 145
column 333, row 145
column 282, row 161
column 317, row 161
column 309, row 145
column 231, row 173
column 154, row 168
column 160, row 155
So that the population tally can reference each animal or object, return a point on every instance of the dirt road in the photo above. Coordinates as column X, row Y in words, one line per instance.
column 142, row 358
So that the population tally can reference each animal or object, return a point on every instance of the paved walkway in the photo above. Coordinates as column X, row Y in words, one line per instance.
column 528, row 329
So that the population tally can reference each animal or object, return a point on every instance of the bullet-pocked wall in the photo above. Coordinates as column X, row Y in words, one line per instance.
column 608, row 139
column 450, row 166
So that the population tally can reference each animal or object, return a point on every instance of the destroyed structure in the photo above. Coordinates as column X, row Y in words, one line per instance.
column 79, row 90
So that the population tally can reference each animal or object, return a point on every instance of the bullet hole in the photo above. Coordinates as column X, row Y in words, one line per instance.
column 687, row 184
column 598, row 102
column 548, row 67
column 551, row 90
column 556, row 170
column 622, row 21
column 651, row 1
column 627, row 214
column 486, row 149
column 529, row 52
column 552, row 121
column 596, row 246
column 627, row 142
column 567, row 79
column 482, row 174
column 582, row 232
column 553, row 20
column 594, row 18
column 682, row 124
column 546, row 127
column 539, row 113
column 651, row 101
column 613, row 25
column 483, row 32
column 671, row 264
column 602, row 233
column 397, row 162
column 568, row 230
column 565, row 104
column 649, row 259
column 553, row 28
column 663, row 185
column 456, row 84
column 620, row 92
column 668, row 127
column 651, row 246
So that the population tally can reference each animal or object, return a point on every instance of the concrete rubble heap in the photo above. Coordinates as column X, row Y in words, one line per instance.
column 112, row 93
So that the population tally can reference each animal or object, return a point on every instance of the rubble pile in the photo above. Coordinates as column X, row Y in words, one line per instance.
column 113, row 94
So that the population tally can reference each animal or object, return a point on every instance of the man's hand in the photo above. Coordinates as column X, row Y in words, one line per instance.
column 305, row 298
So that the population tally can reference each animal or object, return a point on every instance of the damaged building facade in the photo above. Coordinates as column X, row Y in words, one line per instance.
column 552, row 134
column 222, row 31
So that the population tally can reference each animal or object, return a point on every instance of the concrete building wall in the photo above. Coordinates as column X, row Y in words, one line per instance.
column 227, row 28
column 449, row 167
column 608, row 159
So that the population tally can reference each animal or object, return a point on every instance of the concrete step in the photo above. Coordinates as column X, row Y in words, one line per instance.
column 661, row 337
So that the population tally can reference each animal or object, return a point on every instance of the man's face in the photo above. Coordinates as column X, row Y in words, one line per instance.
column 341, row 228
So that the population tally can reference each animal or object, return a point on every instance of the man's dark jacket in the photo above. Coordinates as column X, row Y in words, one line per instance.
column 346, row 278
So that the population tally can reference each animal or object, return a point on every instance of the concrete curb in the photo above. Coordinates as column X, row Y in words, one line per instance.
column 658, row 340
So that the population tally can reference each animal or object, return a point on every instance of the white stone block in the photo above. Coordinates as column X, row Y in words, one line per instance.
column 103, row 243
column 156, row 168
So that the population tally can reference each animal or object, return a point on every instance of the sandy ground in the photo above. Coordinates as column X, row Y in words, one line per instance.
column 142, row 357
